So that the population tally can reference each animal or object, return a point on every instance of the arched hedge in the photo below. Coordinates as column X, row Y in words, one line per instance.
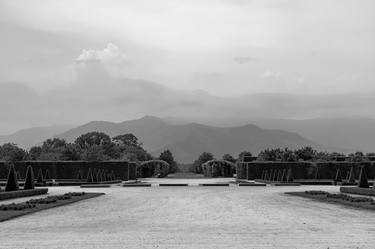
column 216, row 168
column 153, row 168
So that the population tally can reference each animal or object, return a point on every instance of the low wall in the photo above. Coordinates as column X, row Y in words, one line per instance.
column 69, row 169
column 305, row 170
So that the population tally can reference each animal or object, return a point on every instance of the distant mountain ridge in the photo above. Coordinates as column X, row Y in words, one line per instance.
column 27, row 138
column 187, row 141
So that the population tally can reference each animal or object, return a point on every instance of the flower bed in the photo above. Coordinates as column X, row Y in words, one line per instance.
column 9, row 211
column 22, row 193
column 344, row 199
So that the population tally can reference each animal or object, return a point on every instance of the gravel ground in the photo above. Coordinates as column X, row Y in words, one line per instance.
column 193, row 217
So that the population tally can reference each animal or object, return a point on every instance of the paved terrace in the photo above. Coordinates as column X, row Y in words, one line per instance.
column 193, row 217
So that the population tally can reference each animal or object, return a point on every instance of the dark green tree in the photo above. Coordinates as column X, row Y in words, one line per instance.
column 229, row 158
column 11, row 152
column 168, row 157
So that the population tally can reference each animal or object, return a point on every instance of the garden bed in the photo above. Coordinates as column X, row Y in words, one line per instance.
column 358, row 191
column 22, row 193
column 10, row 211
column 343, row 199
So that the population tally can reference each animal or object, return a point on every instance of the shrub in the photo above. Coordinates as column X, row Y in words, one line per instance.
column 351, row 177
column 47, row 176
column 290, row 177
column 89, row 176
column 338, row 177
column 29, row 181
column 40, row 176
column 94, row 175
column 363, row 182
column 79, row 175
column 12, row 183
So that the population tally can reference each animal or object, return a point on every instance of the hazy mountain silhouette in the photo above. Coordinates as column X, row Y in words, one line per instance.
column 187, row 141
column 27, row 138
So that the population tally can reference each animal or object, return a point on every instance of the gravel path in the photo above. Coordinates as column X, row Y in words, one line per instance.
column 193, row 217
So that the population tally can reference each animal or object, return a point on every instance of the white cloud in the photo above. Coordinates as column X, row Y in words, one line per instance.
column 111, row 53
column 270, row 74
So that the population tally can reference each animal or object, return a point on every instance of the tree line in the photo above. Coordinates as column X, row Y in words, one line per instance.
column 306, row 153
column 91, row 146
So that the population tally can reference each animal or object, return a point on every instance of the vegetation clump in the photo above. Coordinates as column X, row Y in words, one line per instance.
column 12, row 183
column 34, row 202
column 29, row 181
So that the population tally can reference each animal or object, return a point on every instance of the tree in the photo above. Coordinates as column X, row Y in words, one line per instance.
column 204, row 157
column 168, row 157
column 305, row 153
column 90, row 139
column 229, row 158
column 11, row 152
column 127, row 139
column 244, row 154
column 35, row 152
column 356, row 157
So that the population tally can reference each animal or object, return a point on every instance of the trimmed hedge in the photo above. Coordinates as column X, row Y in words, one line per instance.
column 124, row 170
column 305, row 170
column 22, row 193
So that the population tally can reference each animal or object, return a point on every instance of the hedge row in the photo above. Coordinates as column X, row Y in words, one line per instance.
column 71, row 169
column 306, row 170
column 22, row 193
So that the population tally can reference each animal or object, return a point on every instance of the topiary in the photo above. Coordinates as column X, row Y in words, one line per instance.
column 284, row 176
column 338, row 177
column 274, row 177
column 279, row 175
column 289, row 177
column 12, row 183
column 351, row 177
column 46, row 176
column 94, row 175
column 79, row 175
column 40, row 176
column 317, row 176
column 29, row 181
column 18, row 175
column 362, row 181
column 89, row 176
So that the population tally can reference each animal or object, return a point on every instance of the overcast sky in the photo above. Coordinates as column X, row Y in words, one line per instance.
column 76, row 61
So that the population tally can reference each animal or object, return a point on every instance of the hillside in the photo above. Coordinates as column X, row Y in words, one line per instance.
column 187, row 141
column 27, row 138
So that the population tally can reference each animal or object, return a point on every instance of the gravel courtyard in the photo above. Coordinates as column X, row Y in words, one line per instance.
column 192, row 217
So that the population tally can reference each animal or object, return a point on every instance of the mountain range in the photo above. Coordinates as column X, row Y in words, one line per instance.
column 187, row 140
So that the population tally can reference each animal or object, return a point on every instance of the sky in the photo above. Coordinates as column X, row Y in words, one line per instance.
column 77, row 61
